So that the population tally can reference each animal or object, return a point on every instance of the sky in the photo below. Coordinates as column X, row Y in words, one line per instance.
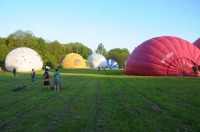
column 114, row 23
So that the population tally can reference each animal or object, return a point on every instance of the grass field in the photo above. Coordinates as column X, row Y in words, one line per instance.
column 100, row 101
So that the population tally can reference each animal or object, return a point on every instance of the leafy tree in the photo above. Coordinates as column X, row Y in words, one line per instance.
column 68, row 49
column 86, row 52
column 57, row 50
column 3, row 51
column 10, row 41
column 78, row 48
column 101, row 50
column 41, row 48
column 21, row 39
column 51, row 61
column 119, row 55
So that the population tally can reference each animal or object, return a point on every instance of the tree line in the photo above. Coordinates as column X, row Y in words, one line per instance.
column 52, row 53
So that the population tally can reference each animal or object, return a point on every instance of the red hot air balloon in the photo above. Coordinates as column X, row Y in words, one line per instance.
column 197, row 43
column 163, row 56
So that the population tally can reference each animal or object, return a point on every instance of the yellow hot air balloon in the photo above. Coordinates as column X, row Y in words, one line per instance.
column 73, row 60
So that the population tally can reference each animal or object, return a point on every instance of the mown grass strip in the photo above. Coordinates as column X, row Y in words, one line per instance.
column 101, row 101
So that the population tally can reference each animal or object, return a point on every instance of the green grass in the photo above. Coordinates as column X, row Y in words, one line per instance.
column 92, row 100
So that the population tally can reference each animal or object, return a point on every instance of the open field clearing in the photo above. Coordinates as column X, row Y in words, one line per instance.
column 92, row 100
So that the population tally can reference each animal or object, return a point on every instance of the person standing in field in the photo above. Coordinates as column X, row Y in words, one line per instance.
column 56, row 76
column 14, row 73
column 33, row 77
column 46, row 78
column 196, row 70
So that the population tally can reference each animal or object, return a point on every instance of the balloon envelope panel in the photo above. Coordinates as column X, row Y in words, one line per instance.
column 162, row 56
column 73, row 60
column 197, row 43
column 87, row 64
column 23, row 59
column 112, row 64
column 97, row 60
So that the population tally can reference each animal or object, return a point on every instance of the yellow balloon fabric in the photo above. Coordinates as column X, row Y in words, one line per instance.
column 73, row 60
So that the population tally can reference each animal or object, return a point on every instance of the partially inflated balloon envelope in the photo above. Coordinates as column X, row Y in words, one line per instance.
column 73, row 60
column 97, row 60
column 112, row 64
column 23, row 59
column 197, row 43
column 87, row 64
column 163, row 56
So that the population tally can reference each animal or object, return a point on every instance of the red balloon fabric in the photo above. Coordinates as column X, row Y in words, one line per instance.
column 163, row 56
column 197, row 43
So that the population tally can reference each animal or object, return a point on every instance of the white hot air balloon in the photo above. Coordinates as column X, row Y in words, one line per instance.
column 97, row 60
column 23, row 59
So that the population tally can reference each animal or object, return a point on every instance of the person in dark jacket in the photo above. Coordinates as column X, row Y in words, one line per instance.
column 14, row 73
column 46, row 78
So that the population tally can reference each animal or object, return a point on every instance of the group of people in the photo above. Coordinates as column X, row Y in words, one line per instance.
column 56, row 76
column 46, row 77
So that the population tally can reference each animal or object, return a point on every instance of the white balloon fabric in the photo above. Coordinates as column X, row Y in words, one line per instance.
column 97, row 60
column 23, row 59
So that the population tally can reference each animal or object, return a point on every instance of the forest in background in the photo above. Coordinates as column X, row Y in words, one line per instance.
column 52, row 53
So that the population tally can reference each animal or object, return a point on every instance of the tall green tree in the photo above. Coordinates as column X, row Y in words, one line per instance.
column 51, row 61
column 42, row 49
column 21, row 39
column 3, row 51
column 101, row 50
column 119, row 55
column 10, row 42
column 78, row 48
column 57, row 50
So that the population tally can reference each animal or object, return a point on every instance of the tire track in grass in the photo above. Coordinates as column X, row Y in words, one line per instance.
column 124, row 103
column 10, row 123
column 16, row 102
column 122, row 97
column 187, row 101
column 19, row 93
column 14, row 119
column 153, row 106
column 99, row 108
column 66, row 112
